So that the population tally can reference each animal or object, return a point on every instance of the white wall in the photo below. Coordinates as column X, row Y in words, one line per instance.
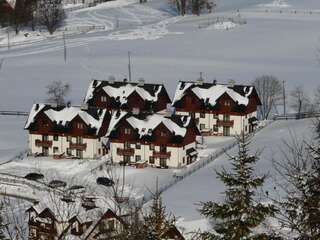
column 240, row 122
column 92, row 150
column 175, row 160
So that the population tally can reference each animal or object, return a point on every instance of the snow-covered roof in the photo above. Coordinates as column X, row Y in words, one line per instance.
column 36, row 108
column 115, row 118
column 69, row 113
column 147, row 125
column 120, row 91
column 212, row 92
column 66, row 114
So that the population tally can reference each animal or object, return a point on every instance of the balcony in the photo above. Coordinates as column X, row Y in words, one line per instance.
column 161, row 154
column 78, row 146
column 42, row 143
column 225, row 123
column 125, row 152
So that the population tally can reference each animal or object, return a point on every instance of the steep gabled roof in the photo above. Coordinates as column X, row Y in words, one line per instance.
column 211, row 92
column 120, row 91
column 64, row 115
column 145, row 124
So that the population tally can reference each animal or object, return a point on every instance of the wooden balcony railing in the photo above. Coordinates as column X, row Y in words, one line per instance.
column 225, row 123
column 161, row 154
column 78, row 146
column 42, row 143
column 125, row 152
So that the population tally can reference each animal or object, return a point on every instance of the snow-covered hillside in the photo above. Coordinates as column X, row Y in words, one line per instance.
column 284, row 44
column 182, row 201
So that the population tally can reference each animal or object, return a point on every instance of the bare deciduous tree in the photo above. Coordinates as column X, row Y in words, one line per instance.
column 316, row 102
column 269, row 90
column 299, row 178
column 57, row 92
column 300, row 102
column 14, row 218
column 193, row 6
column 50, row 13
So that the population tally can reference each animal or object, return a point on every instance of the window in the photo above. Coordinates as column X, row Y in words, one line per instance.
column 138, row 145
column 55, row 149
column 45, row 137
column 183, row 160
column 80, row 125
column 69, row 138
column 103, row 99
column 111, row 225
column 69, row 152
column 79, row 153
column 55, row 137
column 126, row 145
column 163, row 148
column 138, row 158
column 227, row 103
column 202, row 115
column 226, row 117
column 79, row 140
column 151, row 160
column 215, row 116
column 163, row 134
column 127, row 131
column 202, row 126
column 215, row 128
column 151, row 147
column 33, row 232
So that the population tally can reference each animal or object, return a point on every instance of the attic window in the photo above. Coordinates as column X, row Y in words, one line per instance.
column 103, row 99
column 80, row 125
column 149, row 131
column 127, row 131
column 227, row 103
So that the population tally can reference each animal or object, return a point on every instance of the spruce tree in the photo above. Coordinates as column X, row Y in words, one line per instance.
column 157, row 221
column 239, row 214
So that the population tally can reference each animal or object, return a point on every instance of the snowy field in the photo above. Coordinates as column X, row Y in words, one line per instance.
column 13, row 139
column 205, row 186
column 283, row 44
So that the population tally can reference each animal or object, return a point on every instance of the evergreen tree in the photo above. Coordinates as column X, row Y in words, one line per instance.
column 239, row 214
column 157, row 221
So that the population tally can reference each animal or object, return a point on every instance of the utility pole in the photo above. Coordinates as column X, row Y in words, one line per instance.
column 64, row 47
column 8, row 36
column 129, row 65
column 284, row 98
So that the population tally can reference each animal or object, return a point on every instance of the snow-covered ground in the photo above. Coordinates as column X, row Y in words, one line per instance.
column 284, row 44
column 13, row 139
column 182, row 199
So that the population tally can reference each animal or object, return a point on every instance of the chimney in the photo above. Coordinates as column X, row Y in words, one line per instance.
column 200, row 81
column 231, row 82
column 141, row 82
column 84, row 106
column 214, row 82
